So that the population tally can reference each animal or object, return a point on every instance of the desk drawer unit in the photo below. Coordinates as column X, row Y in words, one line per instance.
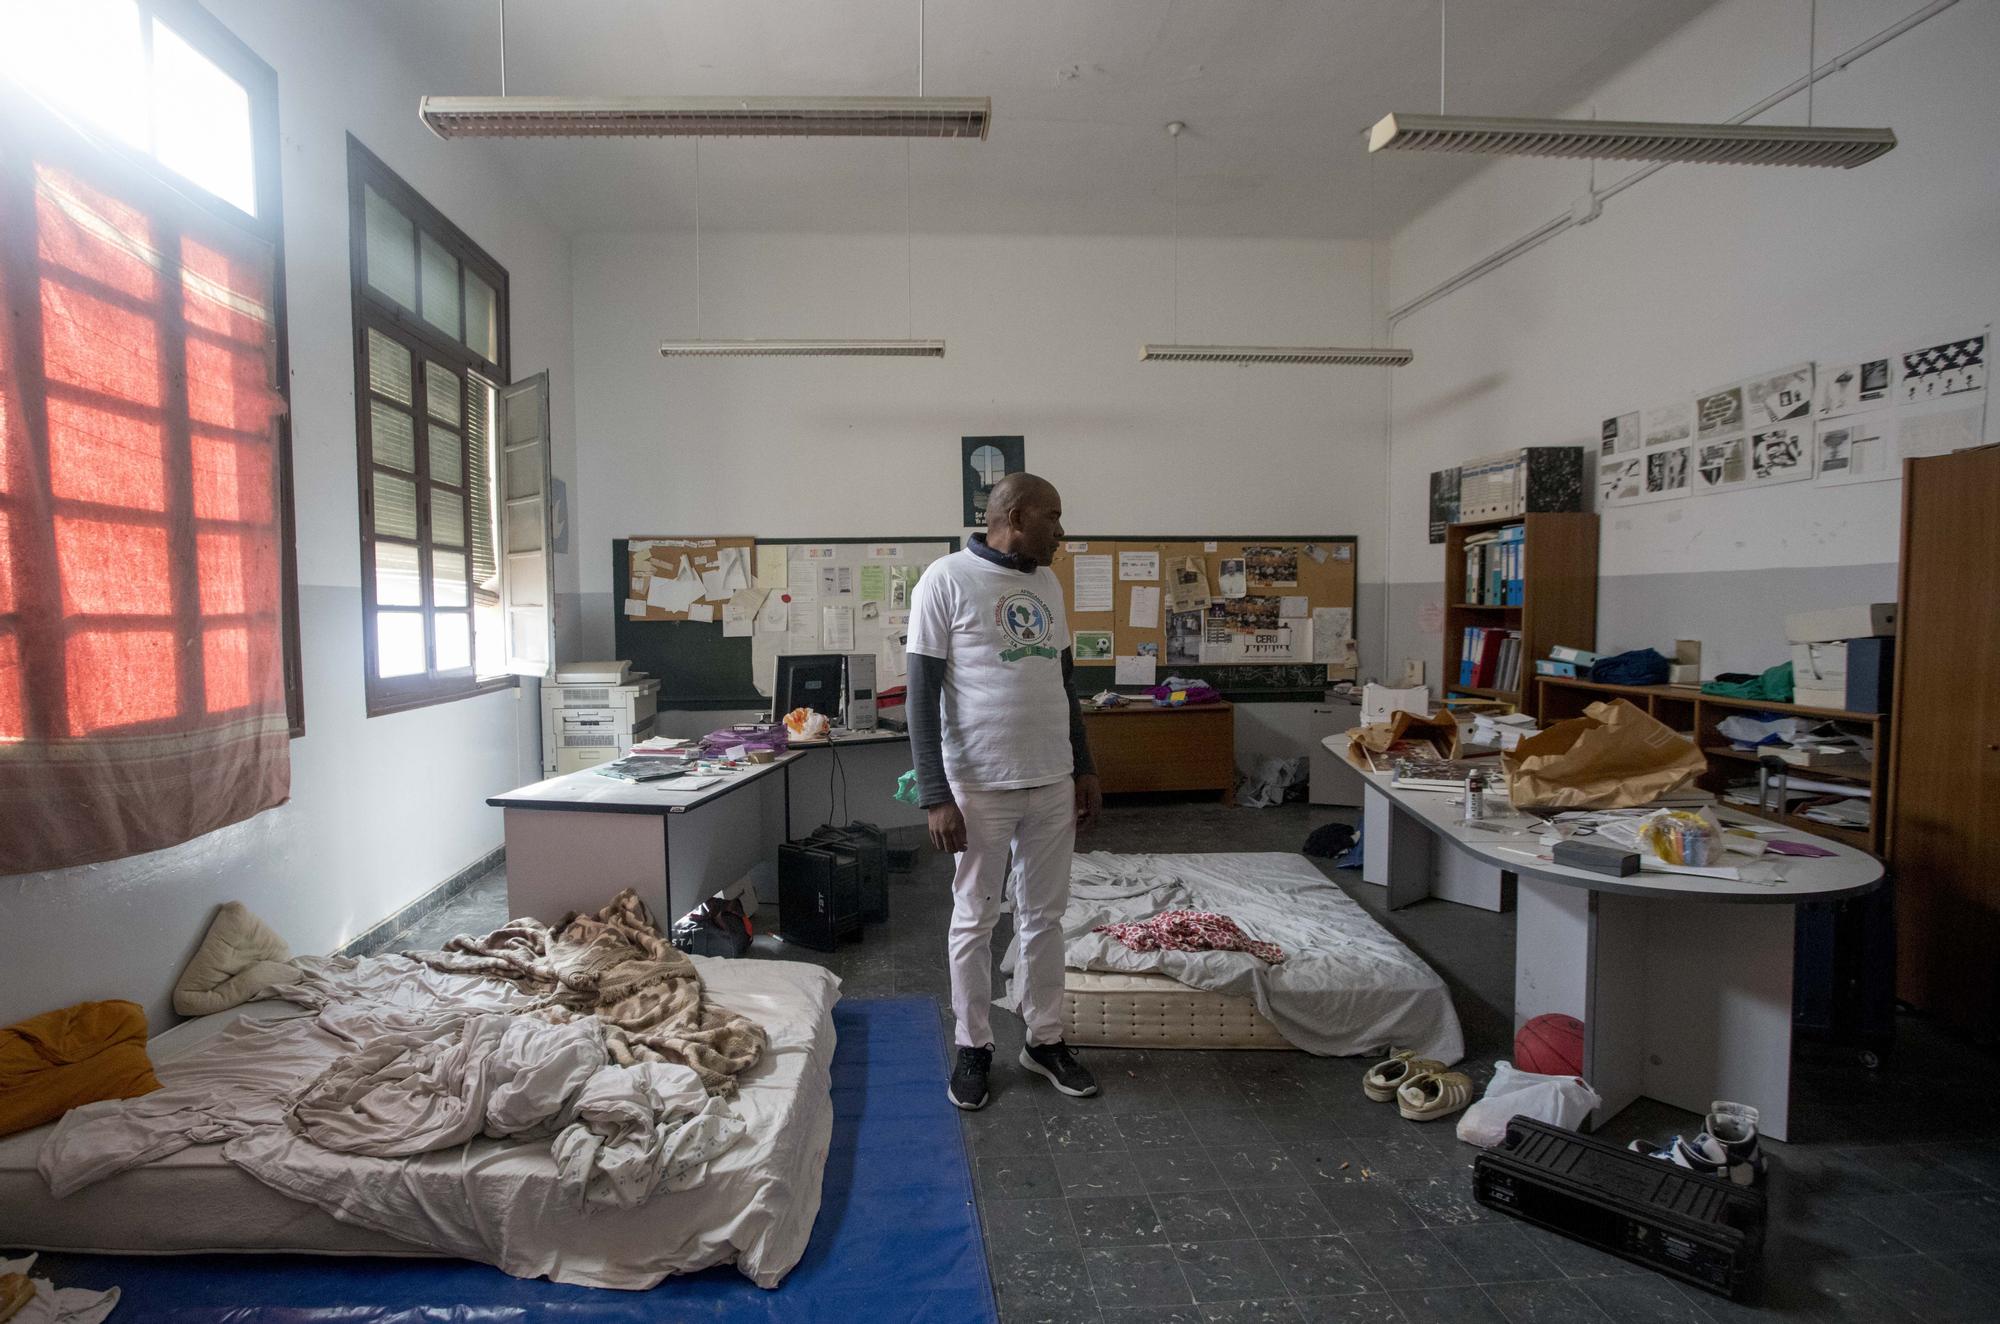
column 1165, row 749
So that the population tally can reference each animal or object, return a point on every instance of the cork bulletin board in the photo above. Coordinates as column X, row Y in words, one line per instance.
column 1247, row 614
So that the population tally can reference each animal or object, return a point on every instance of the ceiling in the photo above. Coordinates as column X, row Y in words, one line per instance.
column 1276, row 95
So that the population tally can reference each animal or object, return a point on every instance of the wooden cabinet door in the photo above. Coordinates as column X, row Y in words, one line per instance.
column 1946, row 828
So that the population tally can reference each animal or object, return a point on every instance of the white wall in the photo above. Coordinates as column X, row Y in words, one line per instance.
column 1044, row 336
column 1697, row 277
column 382, row 809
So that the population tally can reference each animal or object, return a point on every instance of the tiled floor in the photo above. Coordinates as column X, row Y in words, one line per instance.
column 1263, row 1186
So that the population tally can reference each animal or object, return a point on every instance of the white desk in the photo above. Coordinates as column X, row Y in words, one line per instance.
column 573, row 841
column 1683, row 984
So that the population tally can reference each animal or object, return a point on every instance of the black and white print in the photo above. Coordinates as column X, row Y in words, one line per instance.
column 1720, row 465
column 1953, row 367
column 1667, row 474
column 1851, row 386
column 1857, row 450
column 1620, row 479
column 1779, row 396
column 1666, row 425
column 1782, row 454
column 1718, row 414
column 1617, row 435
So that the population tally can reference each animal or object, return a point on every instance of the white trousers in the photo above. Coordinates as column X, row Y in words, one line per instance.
column 1036, row 827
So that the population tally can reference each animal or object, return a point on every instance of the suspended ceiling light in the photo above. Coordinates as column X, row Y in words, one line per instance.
column 1346, row 356
column 713, row 349
column 1632, row 140
column 714, row 117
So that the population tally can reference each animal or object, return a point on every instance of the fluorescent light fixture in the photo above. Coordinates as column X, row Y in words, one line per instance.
column 1349, row 356
column 717, row 117
column 723, row 349
column 1632, row 140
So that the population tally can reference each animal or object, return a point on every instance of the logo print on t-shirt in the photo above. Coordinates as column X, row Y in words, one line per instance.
column 1026, row 619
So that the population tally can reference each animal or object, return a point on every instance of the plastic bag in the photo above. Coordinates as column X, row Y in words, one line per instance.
column 1269, row 781
column 1558, row 1100
column 805, row 724
column 906, row 787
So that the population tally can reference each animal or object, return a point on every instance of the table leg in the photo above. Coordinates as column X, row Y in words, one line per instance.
column 1551, row 950
column 1395, row 850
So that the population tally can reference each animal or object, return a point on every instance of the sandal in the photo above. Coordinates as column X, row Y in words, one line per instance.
column 1382, row 1079
column 1433, row 1095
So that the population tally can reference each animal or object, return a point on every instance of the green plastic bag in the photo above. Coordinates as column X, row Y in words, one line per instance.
column 1774, row 686
column 906, row 787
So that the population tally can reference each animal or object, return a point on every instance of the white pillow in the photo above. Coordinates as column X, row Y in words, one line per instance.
column 236, row 962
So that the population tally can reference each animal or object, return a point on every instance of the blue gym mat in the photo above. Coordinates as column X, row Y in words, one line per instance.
column 897, row 1238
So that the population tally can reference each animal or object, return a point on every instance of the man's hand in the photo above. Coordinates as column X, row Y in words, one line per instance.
column 947, row 827
column 1089, row 801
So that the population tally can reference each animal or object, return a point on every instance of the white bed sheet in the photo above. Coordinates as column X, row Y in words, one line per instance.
column 756, row 1209
column 1347, row 986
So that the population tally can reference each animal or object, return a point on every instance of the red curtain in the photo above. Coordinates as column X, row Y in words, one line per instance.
column 142, row 696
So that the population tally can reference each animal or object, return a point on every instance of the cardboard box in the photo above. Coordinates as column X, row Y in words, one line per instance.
column 1682, row 674
column 1857, row 622
column 1807, row 697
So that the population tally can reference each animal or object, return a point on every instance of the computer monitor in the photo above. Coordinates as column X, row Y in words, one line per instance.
column 808, row 680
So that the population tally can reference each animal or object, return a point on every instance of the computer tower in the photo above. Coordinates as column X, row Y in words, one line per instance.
column 819, row 896
column 858, row 707
column 869, row 845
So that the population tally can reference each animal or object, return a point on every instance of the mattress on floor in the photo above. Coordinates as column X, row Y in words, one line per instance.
column 755, row 1209
column 1347, row 985
column 1107, row 1010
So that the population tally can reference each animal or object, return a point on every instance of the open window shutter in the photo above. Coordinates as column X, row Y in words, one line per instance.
column 527, row 573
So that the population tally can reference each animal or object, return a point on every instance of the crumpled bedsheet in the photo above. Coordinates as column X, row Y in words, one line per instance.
column 58, row 1305
column 1346, row 987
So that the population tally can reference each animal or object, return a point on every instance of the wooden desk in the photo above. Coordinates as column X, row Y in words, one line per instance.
column 1141, row 747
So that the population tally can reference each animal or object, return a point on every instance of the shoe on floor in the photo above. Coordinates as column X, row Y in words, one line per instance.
column 1383, row 1078
column 1061, row 1067
column 968, row 1077
column 1433, row 1095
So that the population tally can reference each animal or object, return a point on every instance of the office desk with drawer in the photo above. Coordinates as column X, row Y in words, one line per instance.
column 1140, row 747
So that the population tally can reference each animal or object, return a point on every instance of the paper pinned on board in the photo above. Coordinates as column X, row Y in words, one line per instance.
column 1333, row 629
column 739, row 614
column 679, row 593
column 1093, row 583
column 702, row 612
column 836, row 629
column 1231, row 579
column 775, row 614
column 1292, row 606
column 1145, row 611
column 771, row 562
column 1138, row 565
column 835, row 580
column 635, row 606
column 874, row 583
column 1140, row 670
column 1938, row 431
column 902, row 578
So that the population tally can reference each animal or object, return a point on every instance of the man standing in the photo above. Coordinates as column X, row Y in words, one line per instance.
column 1003, row 769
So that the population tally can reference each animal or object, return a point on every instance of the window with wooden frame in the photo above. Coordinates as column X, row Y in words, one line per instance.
column 430, row 356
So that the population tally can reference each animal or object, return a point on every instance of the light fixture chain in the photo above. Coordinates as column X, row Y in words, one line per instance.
column 1812, row 55
column 1441, row 4
column 503, row 47
column 1174, row 189
column 697, row 239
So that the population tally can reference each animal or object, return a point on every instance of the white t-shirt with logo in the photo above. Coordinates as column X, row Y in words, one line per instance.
column 1001, row 634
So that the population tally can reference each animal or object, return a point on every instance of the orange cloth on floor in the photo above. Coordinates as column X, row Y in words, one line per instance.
column 64, row 1059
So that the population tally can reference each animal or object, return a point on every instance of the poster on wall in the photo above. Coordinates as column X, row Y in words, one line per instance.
column 1619, row 479
column 1444, row 502
column 1720, row 465
column 1777, row 397
column 1718, row 414
column 1092, row 646
column 1782, row 454
column 986, row 460
column 1667, row 474
column 1271, row 567
column 1939, row 430
column 1666, row 425
column 1948, row 368
column 1184, row 630
column 1860, row 449
column 1617, row 435
column 1851, row 386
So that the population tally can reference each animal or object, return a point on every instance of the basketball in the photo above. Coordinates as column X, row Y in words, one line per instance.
column 1550, row 1045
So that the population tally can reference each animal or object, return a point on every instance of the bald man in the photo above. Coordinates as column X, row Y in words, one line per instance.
column 1003, row 770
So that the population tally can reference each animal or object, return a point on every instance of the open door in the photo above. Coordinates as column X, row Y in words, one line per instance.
column 527, row 574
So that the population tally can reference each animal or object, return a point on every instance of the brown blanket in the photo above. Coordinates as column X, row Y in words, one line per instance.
column 617, row 966
column 64, row 1059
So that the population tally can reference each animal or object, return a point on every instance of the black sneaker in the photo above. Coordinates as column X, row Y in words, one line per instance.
column 1063, row 1070
column 968, row 1078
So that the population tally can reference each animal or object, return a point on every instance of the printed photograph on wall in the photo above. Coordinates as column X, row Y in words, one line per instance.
column 1856, row 450
column 1666, row 474
column 1663, row 425
column 1618, row 479
column 1778, row 396
column 1184, row 638
column 1718, row 414
column 1844, row 388
column 1780, row 455
column 1093, row 646
column 1618, row 434
column 1444, row 502
column 1720, row 465
column 1271, row 567
column 1955, row 367
column 986, row 461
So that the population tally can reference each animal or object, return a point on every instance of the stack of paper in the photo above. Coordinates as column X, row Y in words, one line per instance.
column 1504, row 731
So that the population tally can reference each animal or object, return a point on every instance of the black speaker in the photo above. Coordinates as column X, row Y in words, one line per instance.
column 819, row 896
column 870, row 847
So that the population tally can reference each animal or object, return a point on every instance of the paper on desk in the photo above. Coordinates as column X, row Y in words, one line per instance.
column 771, row 562
column 874, row 583
column 739, row 614
column 1093, row 583
column 836, row 629
column 1141, row 670
column 701, row 611
column 1145, row 613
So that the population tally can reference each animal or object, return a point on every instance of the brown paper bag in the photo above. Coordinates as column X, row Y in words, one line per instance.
column 1613, row 757
column 1440, row 729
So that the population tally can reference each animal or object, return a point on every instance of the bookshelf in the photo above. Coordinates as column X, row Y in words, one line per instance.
column 1696, row 715
column 1558, row 597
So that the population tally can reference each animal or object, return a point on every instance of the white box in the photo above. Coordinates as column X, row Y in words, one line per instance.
column 1855, row 622
column 1821, row 666
column 1808, row 697
column 1679, row 673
